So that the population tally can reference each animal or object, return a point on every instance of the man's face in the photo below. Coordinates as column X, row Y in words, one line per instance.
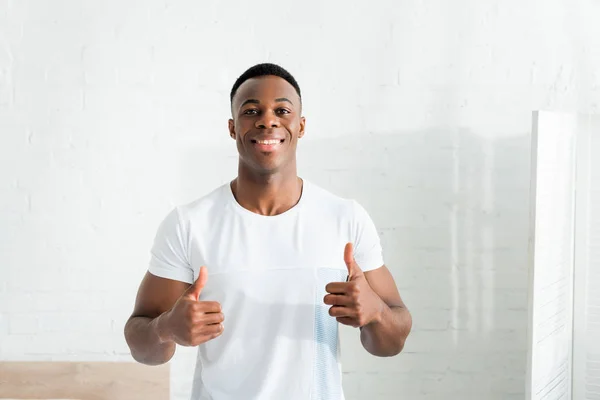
column 266, row 123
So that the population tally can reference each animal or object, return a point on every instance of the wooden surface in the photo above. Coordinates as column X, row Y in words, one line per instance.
column 83, row 381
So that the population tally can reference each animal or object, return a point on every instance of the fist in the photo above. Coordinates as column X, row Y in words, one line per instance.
column 192, row 322
column 353, row 302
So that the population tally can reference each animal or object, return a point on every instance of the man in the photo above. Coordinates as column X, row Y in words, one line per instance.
column 259, row 272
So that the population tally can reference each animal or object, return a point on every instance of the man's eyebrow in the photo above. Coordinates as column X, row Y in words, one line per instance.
column 281, row 99
column 250, row 101
column 254, row 101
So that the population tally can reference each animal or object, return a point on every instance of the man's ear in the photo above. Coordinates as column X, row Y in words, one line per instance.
column 302, row 126
column 231, row 129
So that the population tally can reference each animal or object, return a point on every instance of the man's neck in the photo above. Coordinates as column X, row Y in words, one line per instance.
column 268, row 194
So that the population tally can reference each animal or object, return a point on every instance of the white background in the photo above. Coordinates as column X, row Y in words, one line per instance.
column 112, row 112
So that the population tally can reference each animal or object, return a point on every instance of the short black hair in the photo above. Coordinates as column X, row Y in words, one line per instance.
column 264, row 69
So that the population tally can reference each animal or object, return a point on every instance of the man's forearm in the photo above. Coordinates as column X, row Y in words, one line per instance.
column 141, row 334
column 386, row 337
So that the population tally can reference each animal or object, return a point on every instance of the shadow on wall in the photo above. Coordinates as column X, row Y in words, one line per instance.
column 452, row 210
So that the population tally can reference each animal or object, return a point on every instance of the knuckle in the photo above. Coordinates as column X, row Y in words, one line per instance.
column 361, row 318
column 191, row 329
column 192, row 319
column 193, row 309
column 360, row 313
column 216, row 330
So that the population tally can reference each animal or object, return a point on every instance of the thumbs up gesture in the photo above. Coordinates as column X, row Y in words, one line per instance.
column 353, row 302
column 192, row 322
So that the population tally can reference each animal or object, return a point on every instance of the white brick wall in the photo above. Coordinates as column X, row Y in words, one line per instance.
column 111, row 112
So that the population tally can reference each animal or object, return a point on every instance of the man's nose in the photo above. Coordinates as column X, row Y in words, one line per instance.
column 267, row 120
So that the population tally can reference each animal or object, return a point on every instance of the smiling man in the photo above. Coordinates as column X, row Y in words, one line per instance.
column 259, row 272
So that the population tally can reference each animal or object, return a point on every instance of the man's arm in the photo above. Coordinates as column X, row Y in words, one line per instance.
column 144, row 328
column 386, row 335
column 168, row 312
column 370, row 301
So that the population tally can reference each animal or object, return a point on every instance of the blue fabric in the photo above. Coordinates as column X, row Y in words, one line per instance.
column 327, row 379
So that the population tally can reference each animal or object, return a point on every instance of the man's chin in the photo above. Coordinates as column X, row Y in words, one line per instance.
column 266, row 166
column 262, row 168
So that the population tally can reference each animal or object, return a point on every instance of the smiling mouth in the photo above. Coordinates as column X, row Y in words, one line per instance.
column 267, row 146
column 268, row 142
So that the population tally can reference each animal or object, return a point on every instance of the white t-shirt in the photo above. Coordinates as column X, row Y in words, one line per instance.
column 269, row 274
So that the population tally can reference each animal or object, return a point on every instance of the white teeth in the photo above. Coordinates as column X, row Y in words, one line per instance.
column 267, row 141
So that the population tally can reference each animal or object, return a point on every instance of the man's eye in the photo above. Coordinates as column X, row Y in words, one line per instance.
column 283, row 111
column 251, row 111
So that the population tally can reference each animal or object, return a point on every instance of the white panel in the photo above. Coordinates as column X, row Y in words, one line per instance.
column 552, row 253
column 586, row 347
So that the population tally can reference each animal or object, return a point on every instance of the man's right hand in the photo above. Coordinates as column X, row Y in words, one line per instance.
column 191, row 322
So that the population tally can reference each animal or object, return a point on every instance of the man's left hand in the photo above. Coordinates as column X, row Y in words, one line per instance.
column 353, row 302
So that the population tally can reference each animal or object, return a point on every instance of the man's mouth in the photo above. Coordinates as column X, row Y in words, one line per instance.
column 269, row 141
column 267, row 144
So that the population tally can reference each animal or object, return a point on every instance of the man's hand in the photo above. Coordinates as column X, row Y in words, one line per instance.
column 191, row 322
column 353, row 302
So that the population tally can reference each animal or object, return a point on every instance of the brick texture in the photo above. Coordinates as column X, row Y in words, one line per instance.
column 112, row 112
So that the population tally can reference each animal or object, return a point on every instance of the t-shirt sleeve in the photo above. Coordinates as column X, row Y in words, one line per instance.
column 168, row 256
column 367, row 244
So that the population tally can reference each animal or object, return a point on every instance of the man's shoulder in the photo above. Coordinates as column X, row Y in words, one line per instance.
column 215, row 198
column 336, row 205
column 326, row 199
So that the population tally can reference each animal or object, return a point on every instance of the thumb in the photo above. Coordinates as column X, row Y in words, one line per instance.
column 196, row 288
column 353, row 268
